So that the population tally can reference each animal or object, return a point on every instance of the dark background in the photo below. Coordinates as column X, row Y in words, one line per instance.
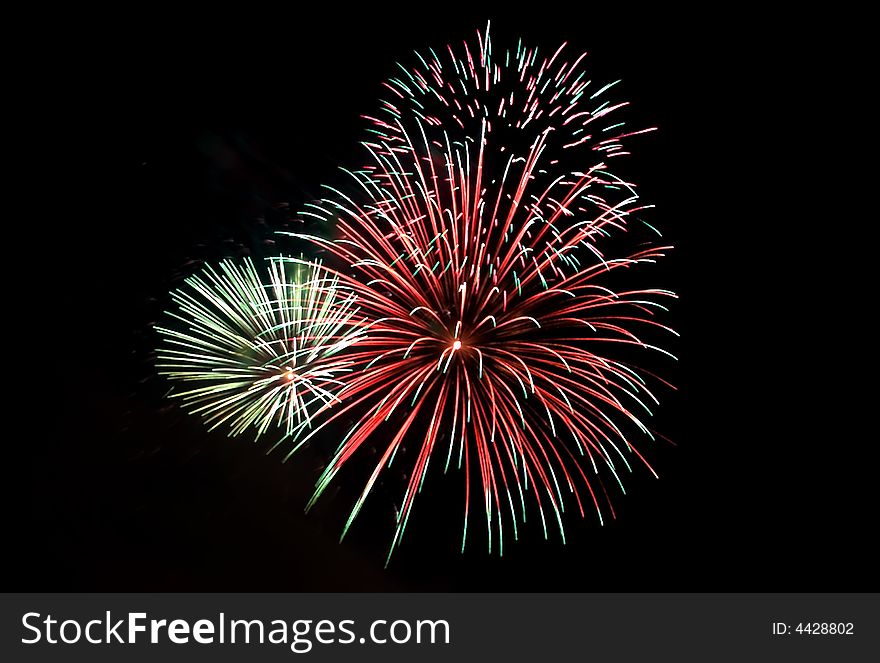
column 182, row 143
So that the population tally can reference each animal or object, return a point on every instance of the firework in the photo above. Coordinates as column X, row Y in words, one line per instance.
column 475, row 240
column 257, row 355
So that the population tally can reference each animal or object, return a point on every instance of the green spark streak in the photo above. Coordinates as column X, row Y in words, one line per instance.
column 602, row 89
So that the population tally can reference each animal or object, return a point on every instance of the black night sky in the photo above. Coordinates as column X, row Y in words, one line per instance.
column 185, row 142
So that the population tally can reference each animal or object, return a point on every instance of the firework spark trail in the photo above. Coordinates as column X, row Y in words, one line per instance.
column 263, row 354
column 474, row 243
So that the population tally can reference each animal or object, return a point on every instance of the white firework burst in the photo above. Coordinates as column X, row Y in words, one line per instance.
column 254, row 354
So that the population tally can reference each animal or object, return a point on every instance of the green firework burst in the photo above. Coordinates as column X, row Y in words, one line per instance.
column 255, row 354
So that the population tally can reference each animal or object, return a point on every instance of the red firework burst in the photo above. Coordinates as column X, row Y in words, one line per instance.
column 474, row 245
